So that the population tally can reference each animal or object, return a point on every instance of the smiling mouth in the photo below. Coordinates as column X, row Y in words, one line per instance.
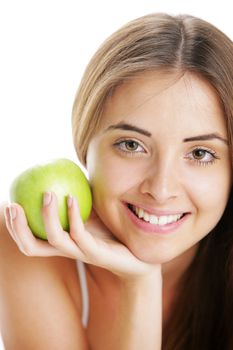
column 153, row 219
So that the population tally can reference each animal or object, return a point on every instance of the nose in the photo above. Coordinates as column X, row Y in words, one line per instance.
column 161, row 182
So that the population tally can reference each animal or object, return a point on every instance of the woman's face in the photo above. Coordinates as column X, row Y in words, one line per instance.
column 159, row 165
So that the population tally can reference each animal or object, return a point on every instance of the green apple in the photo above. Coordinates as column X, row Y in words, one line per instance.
column 61, row 176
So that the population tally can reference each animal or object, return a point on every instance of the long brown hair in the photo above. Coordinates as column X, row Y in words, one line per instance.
column 203, row 314
column 202, row 318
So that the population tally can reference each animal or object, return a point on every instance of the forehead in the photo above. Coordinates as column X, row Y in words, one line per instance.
column 155, row 98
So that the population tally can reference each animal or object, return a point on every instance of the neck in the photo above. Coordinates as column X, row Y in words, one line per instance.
column 173, row 271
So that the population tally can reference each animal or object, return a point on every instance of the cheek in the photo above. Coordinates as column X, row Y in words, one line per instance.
column 210, row 194
column 110, row 175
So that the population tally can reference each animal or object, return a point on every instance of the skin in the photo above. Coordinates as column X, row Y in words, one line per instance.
column 164, row 173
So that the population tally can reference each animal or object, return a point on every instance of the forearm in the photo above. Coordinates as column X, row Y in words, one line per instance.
column 138, row 324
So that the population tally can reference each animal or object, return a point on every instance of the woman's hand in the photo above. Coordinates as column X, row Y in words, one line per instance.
column 91, row 243
column 141, row 283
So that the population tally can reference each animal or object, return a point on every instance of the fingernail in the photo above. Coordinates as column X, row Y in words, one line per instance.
column 69, row 201
column 12, row 211
column 47, row 198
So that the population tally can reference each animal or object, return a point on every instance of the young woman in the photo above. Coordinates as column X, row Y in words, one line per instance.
column 152, row 124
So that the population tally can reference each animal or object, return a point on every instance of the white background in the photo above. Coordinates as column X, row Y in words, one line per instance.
column 45, row 46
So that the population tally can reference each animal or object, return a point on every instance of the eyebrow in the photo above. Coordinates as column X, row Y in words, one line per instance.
column 206, row 137
column 126, row 126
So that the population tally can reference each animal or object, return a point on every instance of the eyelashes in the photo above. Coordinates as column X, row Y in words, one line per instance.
column 129, row 146
column 199, row 155
column 203, row 156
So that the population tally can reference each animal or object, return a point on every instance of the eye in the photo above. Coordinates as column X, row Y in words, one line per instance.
column 129, row 146
column 202, row 156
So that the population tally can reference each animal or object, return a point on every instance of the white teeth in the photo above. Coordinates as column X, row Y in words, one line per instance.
column 156, row 220
column 163, row 220
column 140, row 213
column 146, row 217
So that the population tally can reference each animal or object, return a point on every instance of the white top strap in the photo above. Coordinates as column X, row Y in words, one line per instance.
column 84, row 292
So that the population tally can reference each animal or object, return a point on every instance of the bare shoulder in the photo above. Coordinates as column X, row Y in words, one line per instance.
column 44, row 292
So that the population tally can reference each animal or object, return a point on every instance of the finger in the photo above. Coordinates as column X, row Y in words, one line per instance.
column 8, row 219
column 75, row 220
column 77, row 229
column 57, row 237
column 52, row 224
column 24, row 238
column 88, row 241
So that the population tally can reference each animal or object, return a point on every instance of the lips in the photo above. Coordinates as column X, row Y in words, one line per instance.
column 155, row 224
column 155, row 219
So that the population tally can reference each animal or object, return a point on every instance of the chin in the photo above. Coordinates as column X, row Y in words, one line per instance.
column 157, row 256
